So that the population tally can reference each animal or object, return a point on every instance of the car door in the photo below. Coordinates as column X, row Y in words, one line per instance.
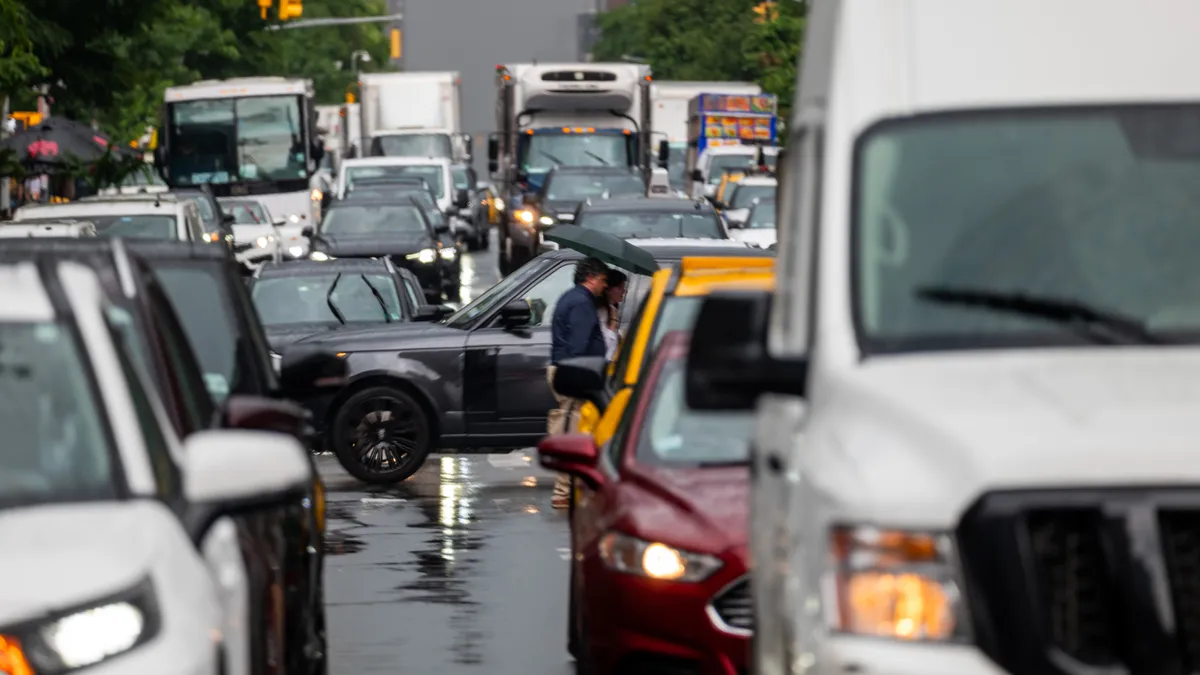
column 505, row 390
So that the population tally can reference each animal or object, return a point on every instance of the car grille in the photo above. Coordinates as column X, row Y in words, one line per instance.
column 734, row 607
column 1075, row 582
column 239, row 248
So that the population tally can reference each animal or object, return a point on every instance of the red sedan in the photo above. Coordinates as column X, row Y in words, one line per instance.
column 659, row 578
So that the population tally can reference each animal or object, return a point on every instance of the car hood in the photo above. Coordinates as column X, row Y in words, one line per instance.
column 279, row 337
column 704, row 510
column 363, row 245
column 69, row 554
column 760, row 237
column 920, row 438
column 245, row 234
column 559, row 208
column 388, row 337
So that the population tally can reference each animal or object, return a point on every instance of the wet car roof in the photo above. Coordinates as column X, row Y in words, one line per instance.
column 644, row 204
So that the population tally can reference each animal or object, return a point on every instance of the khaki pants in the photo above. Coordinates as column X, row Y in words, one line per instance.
column 562, row 420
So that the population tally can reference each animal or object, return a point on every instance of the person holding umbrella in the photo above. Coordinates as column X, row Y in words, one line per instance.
column 574, row 331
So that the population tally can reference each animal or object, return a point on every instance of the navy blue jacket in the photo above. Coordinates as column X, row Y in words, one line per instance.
column 575, row 330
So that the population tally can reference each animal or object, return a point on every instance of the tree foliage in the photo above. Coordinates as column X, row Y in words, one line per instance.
column 110, row 60
column 708, row 40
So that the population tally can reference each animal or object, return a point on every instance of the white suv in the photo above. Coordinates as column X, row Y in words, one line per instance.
column 118, row 555
column 144, row 216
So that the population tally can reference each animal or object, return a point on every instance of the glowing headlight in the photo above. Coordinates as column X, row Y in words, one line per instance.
column 896, row 584
column 425, row 256
column 95, row 634
column 317, row 195
column 546, row 220
column 524, row 216
column 499, row 204
column 296, row 251
column 293, row 218
column 655, row 560
column 448, row 253
column 263, row 242
column 318, row 256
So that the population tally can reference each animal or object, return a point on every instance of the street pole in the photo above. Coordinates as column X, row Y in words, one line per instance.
column 5, row 195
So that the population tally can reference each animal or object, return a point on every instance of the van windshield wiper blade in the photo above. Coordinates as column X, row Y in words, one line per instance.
column 721, row 463
column 1071, row 313
column 329, row 299
column 387, row 317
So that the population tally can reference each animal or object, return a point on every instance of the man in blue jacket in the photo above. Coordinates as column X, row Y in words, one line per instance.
column 574, row 331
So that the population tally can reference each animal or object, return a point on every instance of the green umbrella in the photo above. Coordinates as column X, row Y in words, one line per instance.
column 604, row 246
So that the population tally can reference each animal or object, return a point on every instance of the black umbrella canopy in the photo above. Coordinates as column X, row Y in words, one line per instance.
column 604, row 246
column 56, row 141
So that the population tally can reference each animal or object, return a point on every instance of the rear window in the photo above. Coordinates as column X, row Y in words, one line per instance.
column 651, row 225
column 136, row 227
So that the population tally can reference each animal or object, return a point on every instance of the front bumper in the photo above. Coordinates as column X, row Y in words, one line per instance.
column 837, row 655
column 637, row 624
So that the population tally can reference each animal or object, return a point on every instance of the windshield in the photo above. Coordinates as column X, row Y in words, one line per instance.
column 432, row 174
column 353, row 219
column 55, row 447
column 762, row 216
column 745, row 195
column 719, row 163
column 675, row 434
column 541, row 152
column 208, row 320
column 136, row 227
column 286, row 300
column 462, row 180
column 1096, row 206
column 677, row 167
column 411, row 145
column 238, row 139
column 578, row 187
column 652, row 225
column 247, row 213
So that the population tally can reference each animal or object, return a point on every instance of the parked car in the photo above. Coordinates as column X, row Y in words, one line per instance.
column 659, row 530
column 125, row 528
column 475, row 380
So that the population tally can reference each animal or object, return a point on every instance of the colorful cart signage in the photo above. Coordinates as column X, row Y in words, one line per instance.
column 725, row 119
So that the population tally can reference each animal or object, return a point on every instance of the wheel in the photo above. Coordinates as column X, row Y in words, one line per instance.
column 505, row 256
column 381, row 435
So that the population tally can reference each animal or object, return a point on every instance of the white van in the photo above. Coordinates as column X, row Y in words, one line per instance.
column 978, row 384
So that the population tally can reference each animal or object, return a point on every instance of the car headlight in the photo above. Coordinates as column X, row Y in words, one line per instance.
column 424, row 256
column 316, row 195
column 655, row 560
column 83, row 637
column 524, row 216
column 499, row 204
column 296, row 251
column 448, row 253
column 897, row 584
column 318, row 256
column 263, row 242
column 546, row 220
column 293, row 218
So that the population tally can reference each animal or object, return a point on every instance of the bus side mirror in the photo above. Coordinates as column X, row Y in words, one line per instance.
column 493, row 153
column 664, row 153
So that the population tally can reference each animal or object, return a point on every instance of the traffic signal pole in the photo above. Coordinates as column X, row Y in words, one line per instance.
column 334, row 21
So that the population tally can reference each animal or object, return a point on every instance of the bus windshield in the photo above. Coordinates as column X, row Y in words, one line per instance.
column 235, row 140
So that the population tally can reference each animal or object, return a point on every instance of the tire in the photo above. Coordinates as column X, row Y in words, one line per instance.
column 373, row 417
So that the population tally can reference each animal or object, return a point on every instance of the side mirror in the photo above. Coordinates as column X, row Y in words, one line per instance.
column 462, row 199
column 516, row 314
column 230, row 472
column 697, row 176
column 304, row 372
column 307, row 231
column 432, row 313
column 265, row 414
column 227, row 219
column 493, row 152
column 664, row 153
column 583, row 378
column 572, row 454
column 728, row 365
column 279, row 222
column 468, row 145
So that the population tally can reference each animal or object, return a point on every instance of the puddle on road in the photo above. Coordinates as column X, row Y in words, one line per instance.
column 340, row 543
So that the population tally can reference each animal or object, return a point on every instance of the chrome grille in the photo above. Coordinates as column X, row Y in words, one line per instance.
column 733, row 609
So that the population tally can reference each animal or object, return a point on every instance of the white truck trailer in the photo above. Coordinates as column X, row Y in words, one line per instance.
column 412, row 114
column 566, row 114
column 669, row 118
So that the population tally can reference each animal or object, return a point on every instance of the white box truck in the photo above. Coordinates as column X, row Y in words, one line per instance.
column 669, row 117
column 412, row 114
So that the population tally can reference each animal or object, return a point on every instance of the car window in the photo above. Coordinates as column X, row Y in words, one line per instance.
column 208, row 321
column 673, row 434
column 744, row 195
column 354, row 219
column 136, row 227
column 55, row 444
column 495, row 295
column 296, row 299
column 462, row 180
column 207, row 214
column 716, row 169
column 432, row 173
column 543, row 296
column 762, row 217
column 651, row 225
column 196, row 392
column 413, row 289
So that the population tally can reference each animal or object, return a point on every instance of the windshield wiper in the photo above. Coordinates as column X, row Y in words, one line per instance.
column 596, row 157
column 1081, row 316
column 387, row 317
column 552, row 158
column 329, row 299
column 722, row 463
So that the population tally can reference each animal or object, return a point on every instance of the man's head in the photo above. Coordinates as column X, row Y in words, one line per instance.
column 592, row 274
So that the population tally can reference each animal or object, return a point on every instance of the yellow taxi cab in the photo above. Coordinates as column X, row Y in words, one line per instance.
column 672, row 303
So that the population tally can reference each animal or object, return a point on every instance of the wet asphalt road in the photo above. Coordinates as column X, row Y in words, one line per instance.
column 460, row 569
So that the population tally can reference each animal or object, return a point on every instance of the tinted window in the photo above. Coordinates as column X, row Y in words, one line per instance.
column 136, row 227
column 353, row 219
column 745, row 195
column 673, row 434
column 494, row 296
column 202, row 303
column 544, row 295
column 286, row 300
column 55, row 447
column 762, row 217
column 432, row 173
column 1095, row 206
column 651, row 225
column 166, row 472
column 577, row 187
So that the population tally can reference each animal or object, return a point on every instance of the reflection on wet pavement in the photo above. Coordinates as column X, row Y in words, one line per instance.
column 456, row 569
